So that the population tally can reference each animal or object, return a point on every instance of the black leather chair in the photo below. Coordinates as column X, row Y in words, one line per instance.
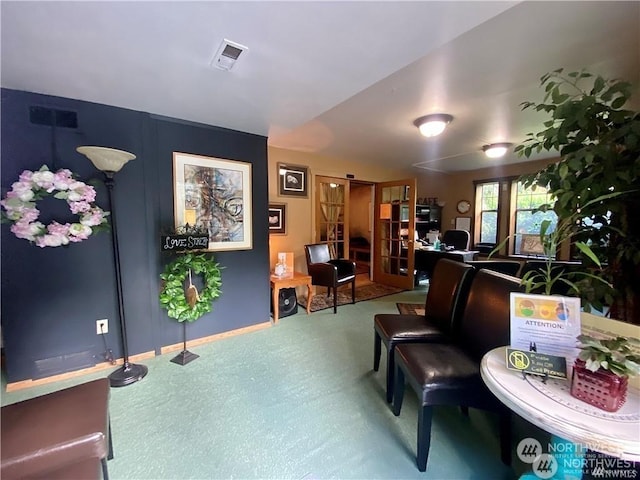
column 330, row 273
column 459, row 239
column 510, row 267
column 443, row 308
column 449, row 374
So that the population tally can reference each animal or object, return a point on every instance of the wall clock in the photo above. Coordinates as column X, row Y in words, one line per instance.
column 463, row 206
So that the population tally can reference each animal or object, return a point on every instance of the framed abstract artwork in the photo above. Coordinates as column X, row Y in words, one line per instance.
column 293, row 180
column 278, row 218
column 214, row 194
column 530, row 244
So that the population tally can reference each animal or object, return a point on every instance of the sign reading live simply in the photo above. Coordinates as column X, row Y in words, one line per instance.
column 536, row 363
column 184, row 242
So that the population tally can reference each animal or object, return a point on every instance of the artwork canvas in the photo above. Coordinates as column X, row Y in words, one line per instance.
column 215, row 194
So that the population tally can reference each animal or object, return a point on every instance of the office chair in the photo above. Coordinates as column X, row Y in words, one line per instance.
column 459, row 239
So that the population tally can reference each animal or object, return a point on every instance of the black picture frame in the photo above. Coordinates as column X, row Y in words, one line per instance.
column 293, row 180
column 278, row 218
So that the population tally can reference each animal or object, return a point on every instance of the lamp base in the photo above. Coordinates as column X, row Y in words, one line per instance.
column 184, row 357
column 127, row 374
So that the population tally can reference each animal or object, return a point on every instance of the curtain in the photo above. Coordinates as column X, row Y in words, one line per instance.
column 331, row 205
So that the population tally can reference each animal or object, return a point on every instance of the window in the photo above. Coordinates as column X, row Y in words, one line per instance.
column 526, row 222
column 487, row 201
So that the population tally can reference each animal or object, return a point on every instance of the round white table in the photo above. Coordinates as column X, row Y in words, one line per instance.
column 551, row 407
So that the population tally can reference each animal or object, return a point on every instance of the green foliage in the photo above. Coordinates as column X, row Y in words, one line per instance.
column 599, row 143
column 172, row 296
column 566, row 230
column 615, row 355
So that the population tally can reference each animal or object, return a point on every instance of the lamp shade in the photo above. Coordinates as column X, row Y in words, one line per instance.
column 434, row 124
column 106, row 159
column 496, row 150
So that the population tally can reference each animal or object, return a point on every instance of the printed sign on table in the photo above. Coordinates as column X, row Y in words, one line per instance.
column 545, row 324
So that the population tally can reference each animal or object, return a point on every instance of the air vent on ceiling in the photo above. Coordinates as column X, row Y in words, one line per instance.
column 227, row 54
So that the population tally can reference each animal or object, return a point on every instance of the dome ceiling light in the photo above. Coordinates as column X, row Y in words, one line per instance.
column 434, row 124
column 496, row 150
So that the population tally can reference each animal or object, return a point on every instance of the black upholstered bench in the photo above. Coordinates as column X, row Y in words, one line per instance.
column 59, row 435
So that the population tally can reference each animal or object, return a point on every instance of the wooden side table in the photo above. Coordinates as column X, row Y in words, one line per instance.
column 278, row 283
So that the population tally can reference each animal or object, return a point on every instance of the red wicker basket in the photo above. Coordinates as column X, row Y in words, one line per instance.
column 602, row 389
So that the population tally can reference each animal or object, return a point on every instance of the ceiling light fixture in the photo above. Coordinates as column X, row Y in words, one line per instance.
column 496, row 150
column 434, row 124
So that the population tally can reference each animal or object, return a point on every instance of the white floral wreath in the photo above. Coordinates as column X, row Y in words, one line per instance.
column 20, row 206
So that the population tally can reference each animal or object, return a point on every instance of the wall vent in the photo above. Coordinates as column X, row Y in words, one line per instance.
column 50, row 117
column 227, row 55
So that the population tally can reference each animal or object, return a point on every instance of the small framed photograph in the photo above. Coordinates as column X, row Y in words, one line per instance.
column 214, row 194
column 293, row 180
column 530, row 244
column 278, row 218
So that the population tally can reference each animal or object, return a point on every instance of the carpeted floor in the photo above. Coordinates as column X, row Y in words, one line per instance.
column 297, row 401
column 411, row 308
column 320, row 301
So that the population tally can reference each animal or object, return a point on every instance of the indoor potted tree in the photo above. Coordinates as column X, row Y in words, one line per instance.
column 602, row 369
column 599, row 146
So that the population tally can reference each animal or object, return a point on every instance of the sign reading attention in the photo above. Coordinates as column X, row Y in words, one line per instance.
column 194, row 241
column 536, row 363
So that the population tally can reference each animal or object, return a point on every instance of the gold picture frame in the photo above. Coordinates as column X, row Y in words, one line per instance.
column 215, row 194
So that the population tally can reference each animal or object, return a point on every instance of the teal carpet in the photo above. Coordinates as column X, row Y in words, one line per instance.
column 298, row 400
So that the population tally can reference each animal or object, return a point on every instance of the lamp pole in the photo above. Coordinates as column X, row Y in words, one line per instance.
column 129, row 372
column 109, row 161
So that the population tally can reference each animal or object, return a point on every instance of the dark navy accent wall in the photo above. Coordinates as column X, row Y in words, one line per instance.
column 51, row 297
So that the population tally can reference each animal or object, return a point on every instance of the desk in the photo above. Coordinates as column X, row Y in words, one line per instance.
column 278, row 283
column 551, row 407
column 426, row 258
column 353, row 253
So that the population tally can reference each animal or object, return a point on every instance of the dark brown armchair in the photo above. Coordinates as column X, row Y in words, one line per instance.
column 330, row 273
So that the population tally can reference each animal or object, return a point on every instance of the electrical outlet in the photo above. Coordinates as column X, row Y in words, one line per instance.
column 102, row 326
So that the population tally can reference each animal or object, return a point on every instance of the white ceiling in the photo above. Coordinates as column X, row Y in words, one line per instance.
column 344, row 79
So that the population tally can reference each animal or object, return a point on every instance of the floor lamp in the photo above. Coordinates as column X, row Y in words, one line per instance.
column 109, row 161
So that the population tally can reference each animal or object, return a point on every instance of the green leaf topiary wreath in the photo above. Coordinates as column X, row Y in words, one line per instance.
column 172, row 296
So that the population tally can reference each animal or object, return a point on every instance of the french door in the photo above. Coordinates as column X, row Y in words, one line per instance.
column 332, row 214
column 394, row 219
